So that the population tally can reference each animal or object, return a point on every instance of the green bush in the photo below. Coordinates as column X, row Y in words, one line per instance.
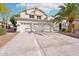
column 2, row 31
column 63, row 30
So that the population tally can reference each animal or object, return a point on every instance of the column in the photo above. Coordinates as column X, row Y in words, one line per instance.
column 50, row 28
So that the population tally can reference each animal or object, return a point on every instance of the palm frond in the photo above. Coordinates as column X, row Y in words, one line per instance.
column 67, row 10
column 4, row 9
column 58, row 19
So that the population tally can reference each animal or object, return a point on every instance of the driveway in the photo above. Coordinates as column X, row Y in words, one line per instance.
column 21, row 44
column 41, row 44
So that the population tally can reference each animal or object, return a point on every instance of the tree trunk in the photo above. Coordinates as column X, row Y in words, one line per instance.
column 70, row 27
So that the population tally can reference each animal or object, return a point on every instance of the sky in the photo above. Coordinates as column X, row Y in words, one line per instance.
column 49, row 8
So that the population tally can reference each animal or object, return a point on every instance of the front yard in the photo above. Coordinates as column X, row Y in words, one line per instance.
column 5, row 38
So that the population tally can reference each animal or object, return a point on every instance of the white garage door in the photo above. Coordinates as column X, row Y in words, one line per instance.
column 34, row 27
column 25, row 27
column 41, row 27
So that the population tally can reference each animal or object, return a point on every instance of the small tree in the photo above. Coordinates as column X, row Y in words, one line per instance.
column 12, row 20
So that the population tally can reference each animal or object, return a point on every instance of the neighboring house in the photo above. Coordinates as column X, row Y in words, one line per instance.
column 34, row 19
column 0, row 24
column 10, row 27
column 76, row 22
column 10, row 24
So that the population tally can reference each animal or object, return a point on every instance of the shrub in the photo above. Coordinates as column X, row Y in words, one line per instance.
column 2, row 31
column 63, row 30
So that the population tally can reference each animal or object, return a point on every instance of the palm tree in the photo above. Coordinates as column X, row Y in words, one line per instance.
column 4, row 11
column 68, row 12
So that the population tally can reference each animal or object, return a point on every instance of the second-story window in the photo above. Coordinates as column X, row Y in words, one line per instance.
column 38, row 17
column 31, row 16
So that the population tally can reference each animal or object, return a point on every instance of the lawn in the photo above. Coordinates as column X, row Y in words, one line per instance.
column 6, row 38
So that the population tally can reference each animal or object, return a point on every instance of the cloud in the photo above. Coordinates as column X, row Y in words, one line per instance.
column 21, row 5
column 46, row 10
column 46, row 7
column 39, row 5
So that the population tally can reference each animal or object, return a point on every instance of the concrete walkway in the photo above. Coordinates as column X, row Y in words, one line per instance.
column 21, row 44
column 54, row 44
column 48, row 44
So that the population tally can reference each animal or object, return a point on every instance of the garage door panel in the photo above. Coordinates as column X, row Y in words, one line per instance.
column 26, row 27
column 35, row 27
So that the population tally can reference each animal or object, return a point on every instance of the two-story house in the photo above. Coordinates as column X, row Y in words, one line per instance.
column 34, row 19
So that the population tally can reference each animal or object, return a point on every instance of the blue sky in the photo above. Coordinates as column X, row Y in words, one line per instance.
column 14, row 8
column 49, row 8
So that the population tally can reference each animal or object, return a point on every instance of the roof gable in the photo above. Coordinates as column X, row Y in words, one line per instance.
column 35, row 11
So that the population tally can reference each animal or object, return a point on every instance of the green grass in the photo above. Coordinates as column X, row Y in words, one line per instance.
column 2, row 31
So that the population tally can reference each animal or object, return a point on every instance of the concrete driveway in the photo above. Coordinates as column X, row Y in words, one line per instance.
column 41, row 44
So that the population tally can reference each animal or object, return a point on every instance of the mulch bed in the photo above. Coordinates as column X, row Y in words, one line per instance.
column 75, row 35
column 11, row 30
